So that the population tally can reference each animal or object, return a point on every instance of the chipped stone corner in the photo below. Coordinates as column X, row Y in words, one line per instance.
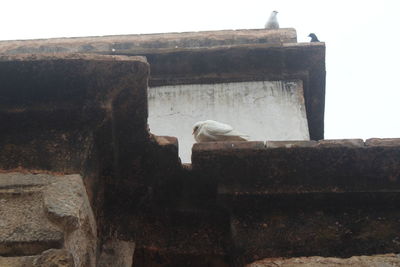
column 46, row 219
column 67, row 205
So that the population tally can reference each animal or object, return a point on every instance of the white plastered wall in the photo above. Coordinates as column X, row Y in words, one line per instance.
column 265, row 110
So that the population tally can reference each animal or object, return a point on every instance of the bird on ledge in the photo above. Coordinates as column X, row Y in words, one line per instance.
column 314, row 38
column 209, row 131
column 272, row 22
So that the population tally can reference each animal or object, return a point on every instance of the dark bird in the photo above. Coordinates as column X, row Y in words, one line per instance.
column 314, row 38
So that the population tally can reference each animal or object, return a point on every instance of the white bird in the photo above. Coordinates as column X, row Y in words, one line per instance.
column 272, row 22
column 209, row 131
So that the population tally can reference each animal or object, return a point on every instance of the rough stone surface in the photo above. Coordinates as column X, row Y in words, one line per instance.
column 388, row 260
column 382, row 142
column 48, row 258
column 290, row 144
column 228, row 146
column 64, row 102
column 341, row 143
column 73, row 106
column 87, row 114
column 305, row 198
column 117, row 253
column 42, row 212
column 25, row 228
column 345, row 165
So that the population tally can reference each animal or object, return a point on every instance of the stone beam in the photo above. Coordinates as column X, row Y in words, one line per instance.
column 148, row 43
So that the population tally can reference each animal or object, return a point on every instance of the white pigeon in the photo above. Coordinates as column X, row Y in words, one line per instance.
column 209, row 131
column 272, row 22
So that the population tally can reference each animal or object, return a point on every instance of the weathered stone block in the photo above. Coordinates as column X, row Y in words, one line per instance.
column 228, row 146
column 384, row 260
column 287, row 225
column 44, row 211
column 381, row 142
column 66, row 102
column 333, row 166
column 48, row 258
column 73, row 113
column 341, row 143
column 116, row 252
column 290, row 144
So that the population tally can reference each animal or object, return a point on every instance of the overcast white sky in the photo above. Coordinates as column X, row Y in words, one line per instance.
column 362, row 40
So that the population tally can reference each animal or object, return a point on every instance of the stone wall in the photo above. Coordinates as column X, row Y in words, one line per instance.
column 65, row 114
column 210, row 58
column 236, row 203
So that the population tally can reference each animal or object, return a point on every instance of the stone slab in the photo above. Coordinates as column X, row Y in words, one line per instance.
column 341, row 143
column 379, row 142
column 384, row 260
column 328, row 166
column 144, row 43
column 290, row 144
column 48, row 258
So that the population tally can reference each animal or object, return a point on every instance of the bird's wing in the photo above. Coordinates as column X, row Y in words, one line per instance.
column 217, row 128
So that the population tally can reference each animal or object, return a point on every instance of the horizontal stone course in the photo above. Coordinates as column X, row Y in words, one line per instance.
column 299, row 166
